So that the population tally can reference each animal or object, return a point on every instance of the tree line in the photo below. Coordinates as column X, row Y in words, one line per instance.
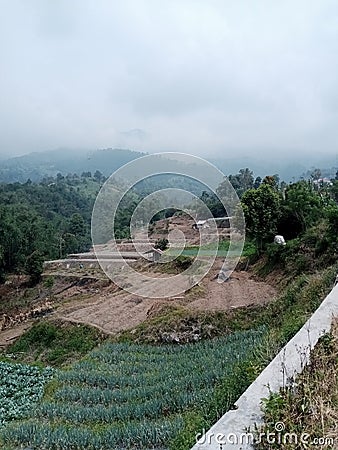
column 273, row 207
column 50, row 219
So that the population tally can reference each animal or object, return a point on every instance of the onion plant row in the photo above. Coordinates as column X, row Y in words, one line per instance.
column 125, row 395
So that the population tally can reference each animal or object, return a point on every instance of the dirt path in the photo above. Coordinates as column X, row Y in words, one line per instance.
column 110, row 313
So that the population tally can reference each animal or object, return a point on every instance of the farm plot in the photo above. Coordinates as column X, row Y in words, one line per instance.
column 131, row 396
column 21, row 386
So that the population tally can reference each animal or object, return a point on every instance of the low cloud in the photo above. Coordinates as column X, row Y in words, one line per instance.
column 208, row 78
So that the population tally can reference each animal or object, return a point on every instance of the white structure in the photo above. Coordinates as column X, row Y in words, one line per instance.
column 200, row 224
column 279, row 239
column 221, row 222
column 323, row 182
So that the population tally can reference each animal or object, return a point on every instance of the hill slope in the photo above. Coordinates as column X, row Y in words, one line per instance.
column 36, row 166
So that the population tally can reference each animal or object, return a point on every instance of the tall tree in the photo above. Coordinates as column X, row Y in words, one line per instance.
column 257, row 183
column 302, row 208
column 242, row 181
column 262, row 210
column 34, row 267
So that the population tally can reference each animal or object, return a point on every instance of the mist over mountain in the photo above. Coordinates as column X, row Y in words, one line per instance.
column 38, row 165
column 35, row 166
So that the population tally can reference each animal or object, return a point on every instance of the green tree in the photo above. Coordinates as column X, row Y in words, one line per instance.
column 212, row 202
column 34, row 267
column 2, row 266
column 59, row 177
column 301, row 209
column 227, row 193
column 35, row 217
column 243, row 181
column 262, row 209
column 161, row 244
column 334, row 190
column 272, row 180
column 258, row 182
column 77, row 225
column 332, row 218
column 98, row 176
column 316, row 174
column 70, row 244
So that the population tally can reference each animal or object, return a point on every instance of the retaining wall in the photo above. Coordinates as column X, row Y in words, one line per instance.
column 232, row 427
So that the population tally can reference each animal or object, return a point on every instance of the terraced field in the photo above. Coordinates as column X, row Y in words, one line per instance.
column 130, row 396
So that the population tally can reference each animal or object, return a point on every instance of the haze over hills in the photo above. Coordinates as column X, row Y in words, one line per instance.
column 35, row 166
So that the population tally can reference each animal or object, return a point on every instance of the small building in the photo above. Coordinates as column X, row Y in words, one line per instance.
column 200, row 224
column 221, row 222
column 323, row 182
column 154, row 254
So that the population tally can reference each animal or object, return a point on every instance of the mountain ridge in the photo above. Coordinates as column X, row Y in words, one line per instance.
column 38, row 165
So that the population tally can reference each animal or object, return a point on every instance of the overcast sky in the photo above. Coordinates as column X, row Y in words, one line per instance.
column 204, row 77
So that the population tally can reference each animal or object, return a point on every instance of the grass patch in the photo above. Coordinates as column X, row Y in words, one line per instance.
column 211, row 409
column 176, row 266
column 222, row 248
column 55, row 343
column 312, row 251
column 18, row 298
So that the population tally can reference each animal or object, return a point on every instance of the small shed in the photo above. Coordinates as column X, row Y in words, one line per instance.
column 154, row 254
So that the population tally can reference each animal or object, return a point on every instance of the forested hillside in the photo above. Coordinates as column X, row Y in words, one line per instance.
column 50, row 219
column 44, row 221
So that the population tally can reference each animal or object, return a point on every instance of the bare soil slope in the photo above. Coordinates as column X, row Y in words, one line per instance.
column 114, row 311
column 103, row 305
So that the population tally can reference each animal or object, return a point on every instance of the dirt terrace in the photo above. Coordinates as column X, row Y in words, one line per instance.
column 100, row 303
column 113, row 310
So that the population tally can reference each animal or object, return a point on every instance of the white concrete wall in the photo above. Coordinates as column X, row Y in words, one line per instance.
column 286, row 364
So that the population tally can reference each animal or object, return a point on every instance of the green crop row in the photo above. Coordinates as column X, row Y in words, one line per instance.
column 152, row 408
column 197, row 360
column 62, row 437
column 132, row 394
column 106, row 397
